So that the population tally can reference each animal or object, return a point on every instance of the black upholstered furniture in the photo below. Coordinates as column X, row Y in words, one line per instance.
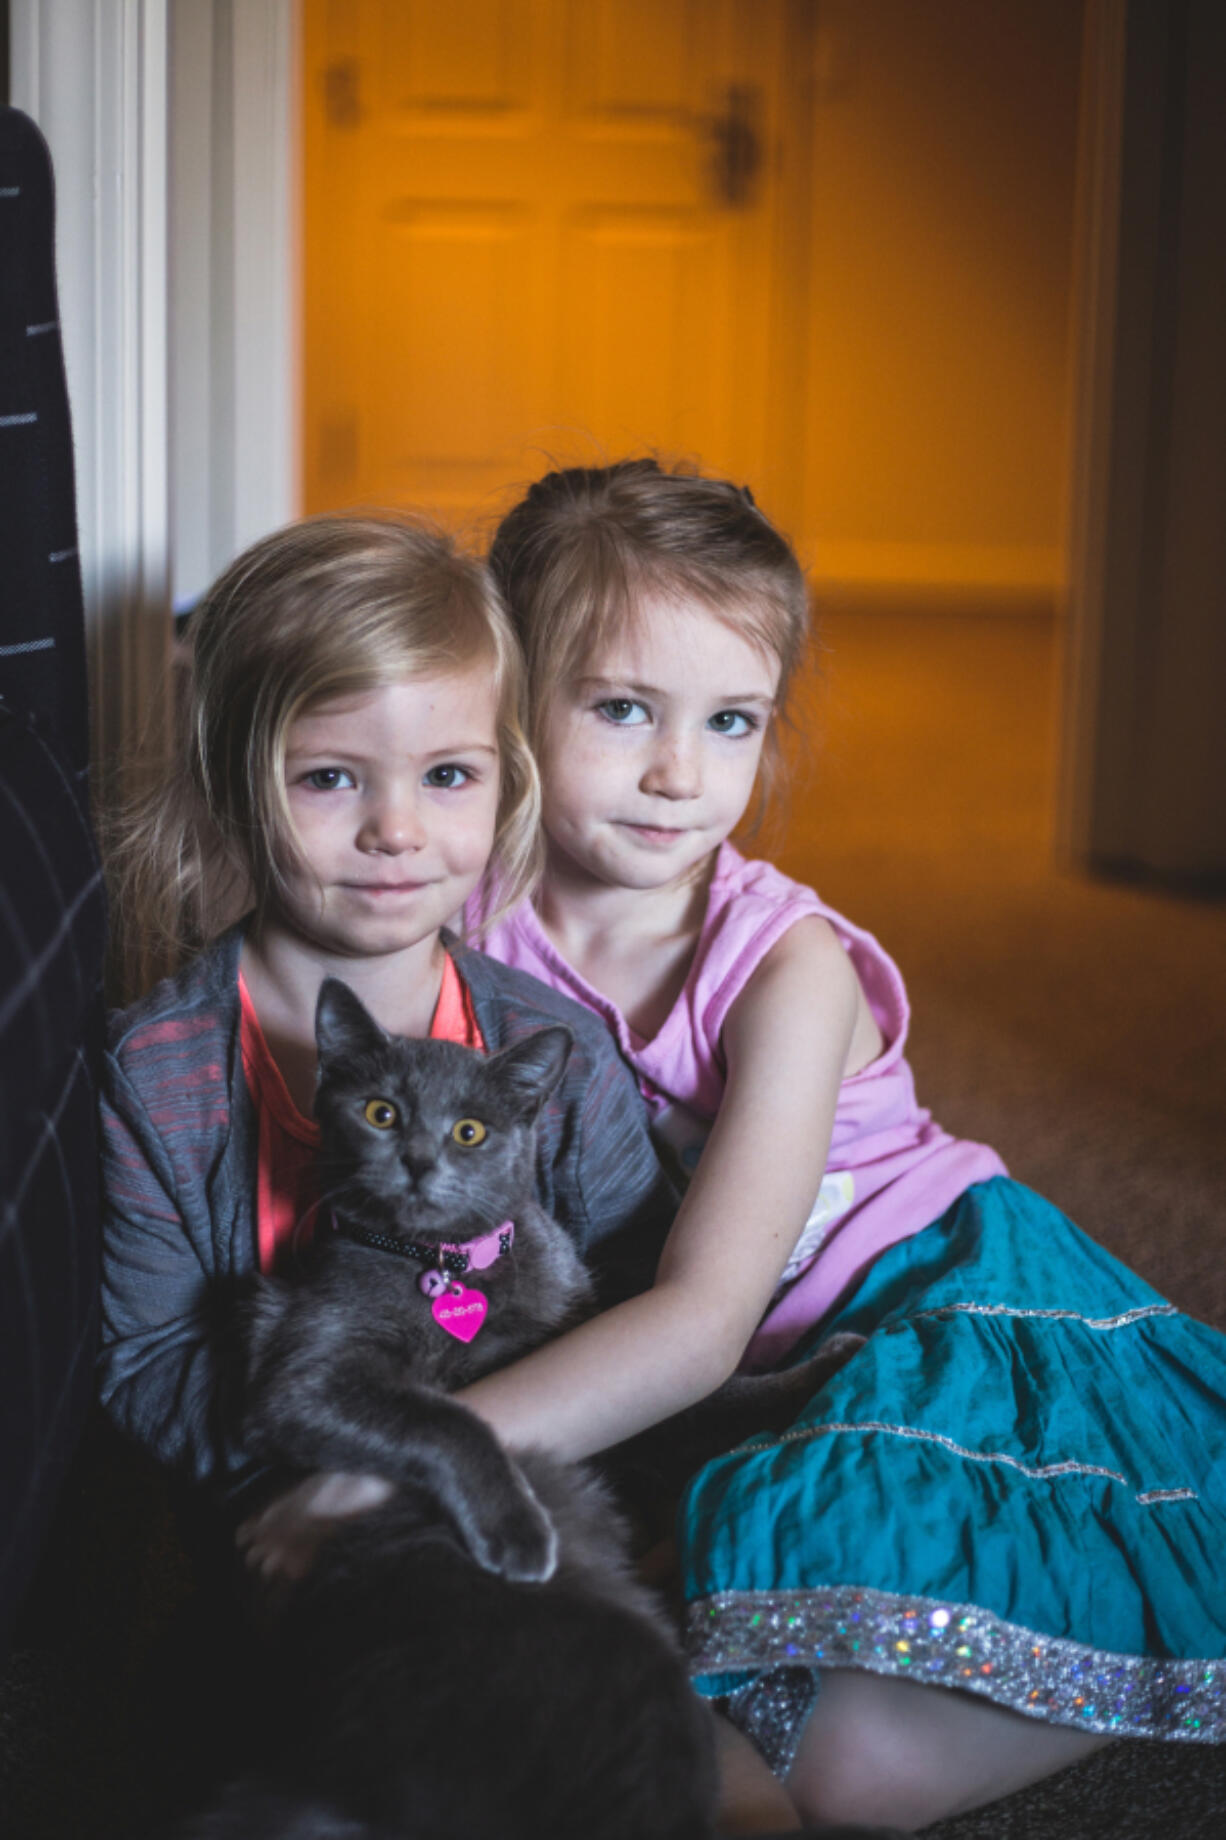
column 52, row 916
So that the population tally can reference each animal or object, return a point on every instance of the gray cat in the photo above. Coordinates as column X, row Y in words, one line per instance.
column 475, row 1658
column 427, row 1166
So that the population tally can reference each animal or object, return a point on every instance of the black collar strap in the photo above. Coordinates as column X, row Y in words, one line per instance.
column 436, row 1255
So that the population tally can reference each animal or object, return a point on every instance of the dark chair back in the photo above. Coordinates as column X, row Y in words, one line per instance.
column 52, row 912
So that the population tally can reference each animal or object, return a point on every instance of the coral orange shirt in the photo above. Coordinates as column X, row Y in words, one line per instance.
column 287, row 1185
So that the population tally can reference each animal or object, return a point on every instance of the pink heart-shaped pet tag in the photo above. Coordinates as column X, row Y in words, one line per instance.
column 460, row 1311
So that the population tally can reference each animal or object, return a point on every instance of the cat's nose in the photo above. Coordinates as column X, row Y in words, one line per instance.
column 417, row 1155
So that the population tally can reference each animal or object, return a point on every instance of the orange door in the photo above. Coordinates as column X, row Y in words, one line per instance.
column 550, row 230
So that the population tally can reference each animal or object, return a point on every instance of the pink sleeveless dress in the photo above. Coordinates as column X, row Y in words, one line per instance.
column 891, row 1170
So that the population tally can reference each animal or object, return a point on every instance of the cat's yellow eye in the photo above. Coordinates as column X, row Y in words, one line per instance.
column 468, row 1132
column 382, row 1114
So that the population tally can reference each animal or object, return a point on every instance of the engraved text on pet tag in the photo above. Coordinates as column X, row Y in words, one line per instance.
column 460, row 1311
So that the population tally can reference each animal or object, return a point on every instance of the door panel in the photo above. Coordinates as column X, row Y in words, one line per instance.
column 526, row 240
column 644, row 363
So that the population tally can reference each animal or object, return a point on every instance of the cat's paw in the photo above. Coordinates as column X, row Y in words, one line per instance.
column 521, row 1545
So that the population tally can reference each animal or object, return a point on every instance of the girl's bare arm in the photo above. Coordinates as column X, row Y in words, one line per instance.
column 786, row 1041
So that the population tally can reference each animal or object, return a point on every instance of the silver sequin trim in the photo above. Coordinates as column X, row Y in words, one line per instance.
column 958, row 1645
column 800, row 1433
column 1090, row 1322
column 772, row 1709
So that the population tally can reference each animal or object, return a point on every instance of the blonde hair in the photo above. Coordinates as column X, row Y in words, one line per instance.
column 327, row 608
column 586, row 545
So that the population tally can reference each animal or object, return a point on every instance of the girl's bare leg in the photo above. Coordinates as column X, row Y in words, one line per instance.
column 751, row 1799
column 897, row 1753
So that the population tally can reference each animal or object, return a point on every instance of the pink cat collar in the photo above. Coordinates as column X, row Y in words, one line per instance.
column 482, row 1252
column 455, row 1256
column 443, row 1259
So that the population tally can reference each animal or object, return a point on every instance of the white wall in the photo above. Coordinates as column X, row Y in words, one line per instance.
column 944, row 151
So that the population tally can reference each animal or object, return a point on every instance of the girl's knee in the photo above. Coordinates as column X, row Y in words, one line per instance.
column 835, row 1783
column 854, row 1761
column 899, row 1754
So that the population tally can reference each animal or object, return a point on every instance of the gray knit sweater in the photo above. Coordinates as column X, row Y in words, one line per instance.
column 179, row 1179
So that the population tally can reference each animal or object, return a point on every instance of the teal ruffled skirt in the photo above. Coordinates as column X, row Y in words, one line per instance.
column 1017, row 1488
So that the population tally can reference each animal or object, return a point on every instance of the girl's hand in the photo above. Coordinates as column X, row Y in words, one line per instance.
column 282, row 1539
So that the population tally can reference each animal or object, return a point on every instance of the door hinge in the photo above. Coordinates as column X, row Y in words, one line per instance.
column 342, row 93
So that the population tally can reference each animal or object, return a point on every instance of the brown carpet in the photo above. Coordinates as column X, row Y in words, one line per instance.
column 1078, row 1026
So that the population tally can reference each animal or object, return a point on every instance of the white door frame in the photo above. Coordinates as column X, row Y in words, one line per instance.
column 176, row 254
column 93, row 77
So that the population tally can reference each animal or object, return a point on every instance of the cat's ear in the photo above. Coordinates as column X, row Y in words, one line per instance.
column 528, row 1070
column 343, row 1025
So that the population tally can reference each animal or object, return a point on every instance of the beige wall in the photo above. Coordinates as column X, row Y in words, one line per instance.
column 944, row 152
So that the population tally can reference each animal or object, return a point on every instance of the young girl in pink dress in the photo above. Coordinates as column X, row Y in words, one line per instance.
column 993, row 1540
